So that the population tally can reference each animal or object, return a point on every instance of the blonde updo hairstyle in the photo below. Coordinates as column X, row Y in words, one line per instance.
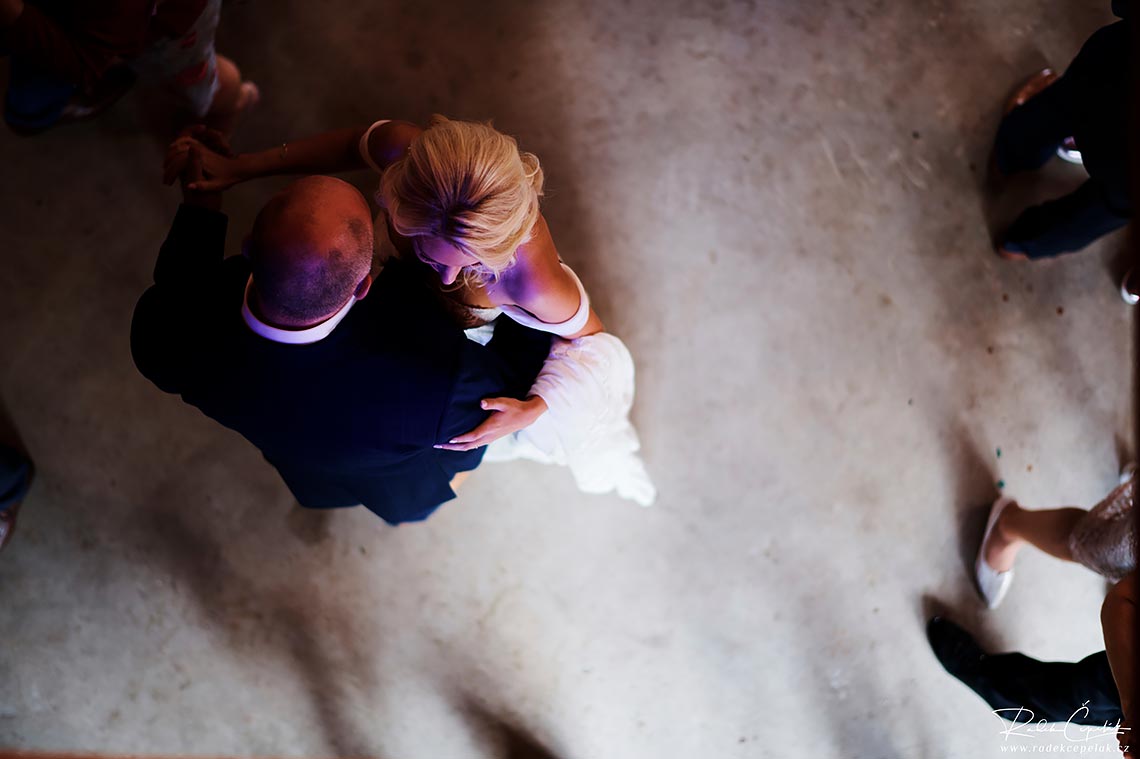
column 468, row 184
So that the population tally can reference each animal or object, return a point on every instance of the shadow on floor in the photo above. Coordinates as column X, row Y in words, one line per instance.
column 513, row 741
column 975, row 490
column 289, row 628
column 9, row 433
column 262, row 625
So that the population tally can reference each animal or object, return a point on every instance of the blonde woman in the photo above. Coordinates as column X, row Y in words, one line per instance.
column 464, row 200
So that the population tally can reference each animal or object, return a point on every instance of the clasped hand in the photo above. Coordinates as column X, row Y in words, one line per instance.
column 218, row 164
column 507, row 416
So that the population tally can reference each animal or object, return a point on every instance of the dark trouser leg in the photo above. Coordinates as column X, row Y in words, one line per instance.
column 1066, row 224
column 1030, row 134
column 1053, row 691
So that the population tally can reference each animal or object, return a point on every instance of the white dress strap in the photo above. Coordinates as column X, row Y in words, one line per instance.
column 363, row 146
column 574, row 324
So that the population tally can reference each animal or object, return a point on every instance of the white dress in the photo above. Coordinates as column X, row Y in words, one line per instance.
column 588, row 386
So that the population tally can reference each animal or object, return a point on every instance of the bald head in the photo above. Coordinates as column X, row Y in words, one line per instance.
column 310, row 247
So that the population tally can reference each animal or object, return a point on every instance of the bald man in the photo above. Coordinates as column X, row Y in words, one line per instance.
column 344, row 383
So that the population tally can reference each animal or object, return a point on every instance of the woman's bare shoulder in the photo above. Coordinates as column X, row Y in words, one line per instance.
column 390, row 141
column 537, row 281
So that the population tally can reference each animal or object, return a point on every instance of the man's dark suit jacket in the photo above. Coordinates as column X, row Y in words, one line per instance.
column 350, row 419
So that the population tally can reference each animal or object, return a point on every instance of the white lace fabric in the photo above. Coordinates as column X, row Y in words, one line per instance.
column 588, row 386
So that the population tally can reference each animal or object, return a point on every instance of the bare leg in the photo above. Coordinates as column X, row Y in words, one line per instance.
column 232, row 99
column 1046, row 529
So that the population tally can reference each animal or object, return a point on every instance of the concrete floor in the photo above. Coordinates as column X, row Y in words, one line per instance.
column 779, row 207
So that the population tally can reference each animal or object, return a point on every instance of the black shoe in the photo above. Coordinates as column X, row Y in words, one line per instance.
column 15, row 477
column 8, row 523
column 85, row 104
column 955, row 649
column 88, row 104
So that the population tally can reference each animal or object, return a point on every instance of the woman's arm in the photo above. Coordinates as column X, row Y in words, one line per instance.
column 540, row 285
column 324, row 153
column 544, row 288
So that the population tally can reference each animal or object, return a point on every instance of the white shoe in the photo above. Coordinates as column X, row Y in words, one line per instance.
column 1067, row 151
column 992, row 584
column 1129, row 297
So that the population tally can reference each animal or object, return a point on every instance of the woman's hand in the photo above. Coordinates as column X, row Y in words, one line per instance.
column 220, row 167
column 507, row 415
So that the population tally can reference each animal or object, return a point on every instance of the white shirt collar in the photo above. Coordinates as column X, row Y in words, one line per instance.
column 292, row 336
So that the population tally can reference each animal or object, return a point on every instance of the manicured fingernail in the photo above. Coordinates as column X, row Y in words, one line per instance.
column 437, row 446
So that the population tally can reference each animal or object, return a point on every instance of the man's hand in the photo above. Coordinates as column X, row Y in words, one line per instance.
column 507, row 415
column 219, row 164
column 192, row 174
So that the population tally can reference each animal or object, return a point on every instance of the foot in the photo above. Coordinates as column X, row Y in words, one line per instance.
column 1000, row 549
column 1068, row 151
column 16, row 473
column 1032, row 86
column 248, row 96
column 88, row 103
column 993, row 569
column 1011, row 255
column 8, row 523
column 954, row 648
column 100, row 96
column 1129, row 291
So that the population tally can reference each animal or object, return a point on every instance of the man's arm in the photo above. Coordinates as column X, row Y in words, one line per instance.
column 80, row 55
column 199, row 226
column 187, row 277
